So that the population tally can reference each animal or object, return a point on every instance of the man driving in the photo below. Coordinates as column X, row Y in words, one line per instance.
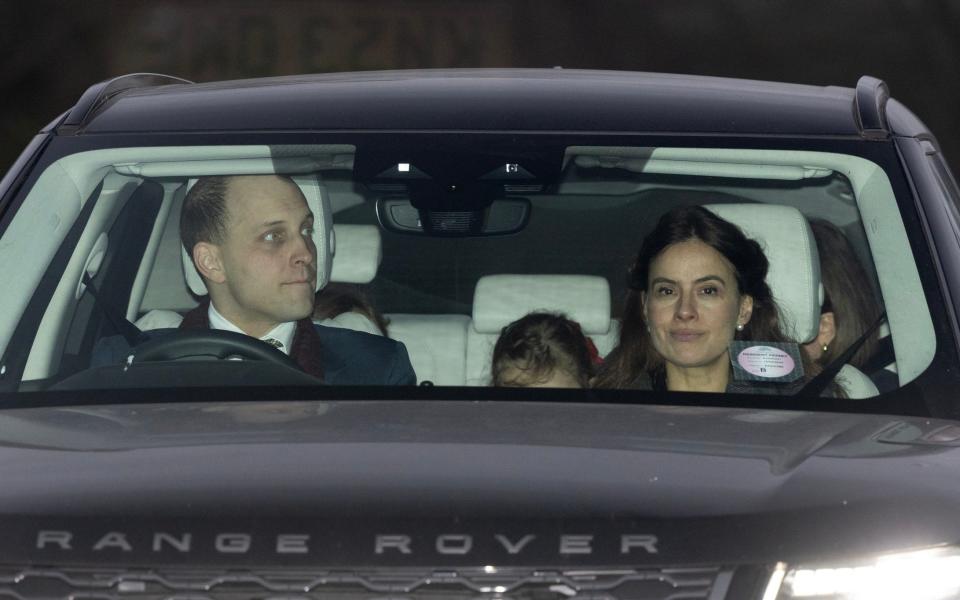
column 251, row 240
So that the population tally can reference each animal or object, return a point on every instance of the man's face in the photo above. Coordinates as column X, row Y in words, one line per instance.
column 268, row 260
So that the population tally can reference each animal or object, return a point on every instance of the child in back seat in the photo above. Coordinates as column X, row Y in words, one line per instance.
column 543, row 349
column 346, row 305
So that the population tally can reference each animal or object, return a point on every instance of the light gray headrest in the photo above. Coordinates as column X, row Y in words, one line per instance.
column 794, row 275
column 502, row 299
column 359, row 252
column 323, row 235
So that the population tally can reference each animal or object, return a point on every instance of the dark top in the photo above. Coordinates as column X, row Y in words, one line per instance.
column 658, row 382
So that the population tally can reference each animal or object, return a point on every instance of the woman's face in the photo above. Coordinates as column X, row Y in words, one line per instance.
column 692, row 305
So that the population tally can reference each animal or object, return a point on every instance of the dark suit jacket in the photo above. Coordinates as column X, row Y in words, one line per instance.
column 348, row 357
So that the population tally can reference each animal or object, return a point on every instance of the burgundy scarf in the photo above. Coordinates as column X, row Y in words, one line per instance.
column 305, row 349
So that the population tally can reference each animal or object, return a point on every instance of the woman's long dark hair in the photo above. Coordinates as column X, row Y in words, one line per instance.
column 635, row 356
column 848, row 294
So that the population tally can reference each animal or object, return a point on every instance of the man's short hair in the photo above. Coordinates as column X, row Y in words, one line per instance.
column 204, row 214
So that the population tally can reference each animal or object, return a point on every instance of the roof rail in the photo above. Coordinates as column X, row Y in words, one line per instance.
column 870, row 108
column 99, row 93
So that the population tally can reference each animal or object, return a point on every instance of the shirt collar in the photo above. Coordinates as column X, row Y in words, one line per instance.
column 283, row 332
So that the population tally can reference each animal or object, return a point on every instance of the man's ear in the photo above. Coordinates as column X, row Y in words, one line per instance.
column 206, row 257
column 828, row 329
column 746, row 309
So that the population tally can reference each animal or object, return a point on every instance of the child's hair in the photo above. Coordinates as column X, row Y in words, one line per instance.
column 338, row 298
column 531, row 349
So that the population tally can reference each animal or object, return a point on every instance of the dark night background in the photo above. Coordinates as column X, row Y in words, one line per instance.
column 53, row 50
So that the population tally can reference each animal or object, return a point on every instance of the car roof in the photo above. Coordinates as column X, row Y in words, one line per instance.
column 541, row 100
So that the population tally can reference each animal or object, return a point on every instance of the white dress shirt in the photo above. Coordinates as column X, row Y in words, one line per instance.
column 282, row 333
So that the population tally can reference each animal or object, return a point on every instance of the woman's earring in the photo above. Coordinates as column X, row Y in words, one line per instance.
column 825, row 347
column 739, row 326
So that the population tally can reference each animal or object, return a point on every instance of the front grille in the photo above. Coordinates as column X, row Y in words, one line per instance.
column 361, row 584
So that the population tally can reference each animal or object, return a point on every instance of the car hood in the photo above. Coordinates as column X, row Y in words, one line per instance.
column 704, row 483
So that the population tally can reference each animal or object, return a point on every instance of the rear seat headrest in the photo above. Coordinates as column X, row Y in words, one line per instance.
column 502, row 299
column 359, row 252
column 323, row 234
column 794, row 275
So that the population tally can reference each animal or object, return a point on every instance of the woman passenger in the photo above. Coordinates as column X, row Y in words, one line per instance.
column 697, row 284
column 849, row 306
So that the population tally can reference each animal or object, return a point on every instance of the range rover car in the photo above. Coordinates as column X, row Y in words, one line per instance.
column 458, row 202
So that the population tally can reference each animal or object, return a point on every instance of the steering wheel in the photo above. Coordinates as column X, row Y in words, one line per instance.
column 209, row 344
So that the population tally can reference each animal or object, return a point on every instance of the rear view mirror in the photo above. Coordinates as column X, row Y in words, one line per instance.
column 501, row 217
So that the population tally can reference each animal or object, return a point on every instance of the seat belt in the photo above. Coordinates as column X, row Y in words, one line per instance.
column 815, row 386
column 130, row 332
column 882, row 357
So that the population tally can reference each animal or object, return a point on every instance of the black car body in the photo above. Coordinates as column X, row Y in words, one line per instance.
column 199, row 480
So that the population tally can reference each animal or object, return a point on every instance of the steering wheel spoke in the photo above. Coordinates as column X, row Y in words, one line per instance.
column 209, row 344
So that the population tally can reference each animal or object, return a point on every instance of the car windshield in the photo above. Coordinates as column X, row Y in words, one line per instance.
column 491, row 261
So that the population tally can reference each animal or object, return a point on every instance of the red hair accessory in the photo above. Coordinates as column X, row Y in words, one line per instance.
column 595, row 357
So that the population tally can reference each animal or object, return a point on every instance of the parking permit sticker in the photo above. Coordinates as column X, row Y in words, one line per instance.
column 765, row 361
